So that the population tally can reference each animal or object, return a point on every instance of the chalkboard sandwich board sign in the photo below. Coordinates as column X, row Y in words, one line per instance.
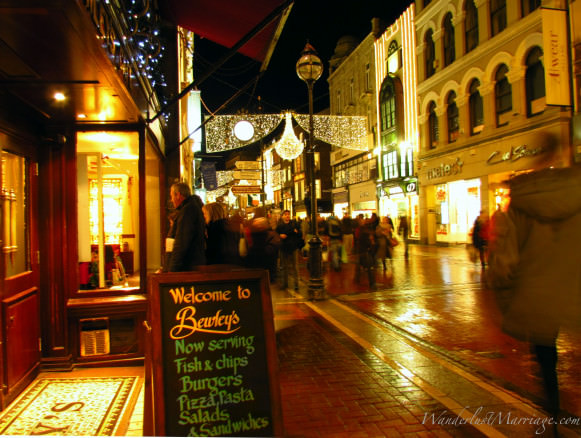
column 213, row 359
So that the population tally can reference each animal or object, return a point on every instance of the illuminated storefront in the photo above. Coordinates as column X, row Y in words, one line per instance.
column 399, row 200
column 457, row 186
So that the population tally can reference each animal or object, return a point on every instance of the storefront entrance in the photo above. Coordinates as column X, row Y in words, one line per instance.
column 19, row 265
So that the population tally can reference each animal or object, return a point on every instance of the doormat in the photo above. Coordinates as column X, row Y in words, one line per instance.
column 84, row 406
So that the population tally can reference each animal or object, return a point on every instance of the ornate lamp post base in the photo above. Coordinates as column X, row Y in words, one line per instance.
column 316, row 284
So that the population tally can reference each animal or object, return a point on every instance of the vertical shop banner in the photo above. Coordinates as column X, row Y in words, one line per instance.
column 555, row 55
column 209, row 174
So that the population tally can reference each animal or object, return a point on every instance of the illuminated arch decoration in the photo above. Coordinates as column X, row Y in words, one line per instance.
column 349, row 132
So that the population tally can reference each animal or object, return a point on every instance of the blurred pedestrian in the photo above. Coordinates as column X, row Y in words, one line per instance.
column 335, row 241
column 534, row 262
column 290, row 238
column 366, row 248
column 480, row 236
column 347, row 228
column 188, row 230
column 383, row 236
column 221, row 241
column 263, row 244
column 403, row 231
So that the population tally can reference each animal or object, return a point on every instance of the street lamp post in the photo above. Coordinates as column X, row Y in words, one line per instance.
column 310, row 68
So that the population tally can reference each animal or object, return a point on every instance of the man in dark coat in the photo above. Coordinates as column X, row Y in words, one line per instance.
column 290, row 236
column 187, row 230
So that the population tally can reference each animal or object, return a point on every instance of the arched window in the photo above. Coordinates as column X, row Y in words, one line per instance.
column 502, row 95
column 433, row 132
column 430, row 53
column 471, row 25
column 387, row 109
column 497, row 16
column 529, row 6
column 476, row 108
column 452, row 114
column 535, row 82
column 449, row 41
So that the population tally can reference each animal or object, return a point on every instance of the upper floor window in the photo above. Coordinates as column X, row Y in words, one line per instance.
column 502, row 95
column 390, row 165
column 433, row 132
column 476, row 108
column 430, row 53
column 339, row 109
column 449, row 41
column 497, row 16
column 452, row 114
column 387, row 107
column 471, row 25
column 529, row 6
column 352, row 91
column 535, row 82
column 367, row 77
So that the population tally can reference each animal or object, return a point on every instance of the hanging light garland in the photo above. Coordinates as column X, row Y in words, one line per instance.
column 289, row 146
column 349, row 132
column 221, row 135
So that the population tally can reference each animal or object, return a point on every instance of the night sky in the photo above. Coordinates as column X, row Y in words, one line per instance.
column 322, row 23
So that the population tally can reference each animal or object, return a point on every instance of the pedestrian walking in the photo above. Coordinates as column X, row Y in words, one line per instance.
column 403, row 230
column 335, row 241
column 186, row 247
column 347, row 228
column 480, row 236
column 534, row 263
column 366, row 248
column 291, row 240
column 383, row 236
column 221, row 239
column 263, row 245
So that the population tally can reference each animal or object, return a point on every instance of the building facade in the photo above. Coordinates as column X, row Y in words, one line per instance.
column 485, row 103
column 83, row 166
column 397, row 143
column 352, row 93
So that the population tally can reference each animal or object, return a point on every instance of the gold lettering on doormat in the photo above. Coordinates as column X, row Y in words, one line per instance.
column 72, row 406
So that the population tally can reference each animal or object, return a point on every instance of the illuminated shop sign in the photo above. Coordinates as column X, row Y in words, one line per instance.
column 446, row 169
column 513, row 154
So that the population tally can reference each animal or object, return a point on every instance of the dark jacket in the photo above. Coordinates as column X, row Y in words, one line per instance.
column 293, row 233
column 222, row 243
column 188, row 231
column 263, row 246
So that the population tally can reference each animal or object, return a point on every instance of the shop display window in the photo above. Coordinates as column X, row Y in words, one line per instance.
column 108, row 210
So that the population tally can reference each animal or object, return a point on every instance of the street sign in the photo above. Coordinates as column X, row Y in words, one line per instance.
column 248, row 165
column 246, row 190
column 247, row 174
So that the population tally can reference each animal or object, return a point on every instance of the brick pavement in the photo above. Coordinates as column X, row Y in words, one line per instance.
column 332, row 387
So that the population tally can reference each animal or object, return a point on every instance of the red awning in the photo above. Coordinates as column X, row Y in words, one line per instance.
column 226, row 22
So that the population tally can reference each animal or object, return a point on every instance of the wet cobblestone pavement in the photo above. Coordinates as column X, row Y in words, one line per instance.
column 423, row 355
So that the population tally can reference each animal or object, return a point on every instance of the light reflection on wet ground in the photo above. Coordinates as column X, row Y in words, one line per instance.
column 437, row 295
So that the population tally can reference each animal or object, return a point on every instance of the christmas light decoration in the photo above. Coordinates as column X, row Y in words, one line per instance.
column 289, row 146
column 348, row 132
column 220, row 130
